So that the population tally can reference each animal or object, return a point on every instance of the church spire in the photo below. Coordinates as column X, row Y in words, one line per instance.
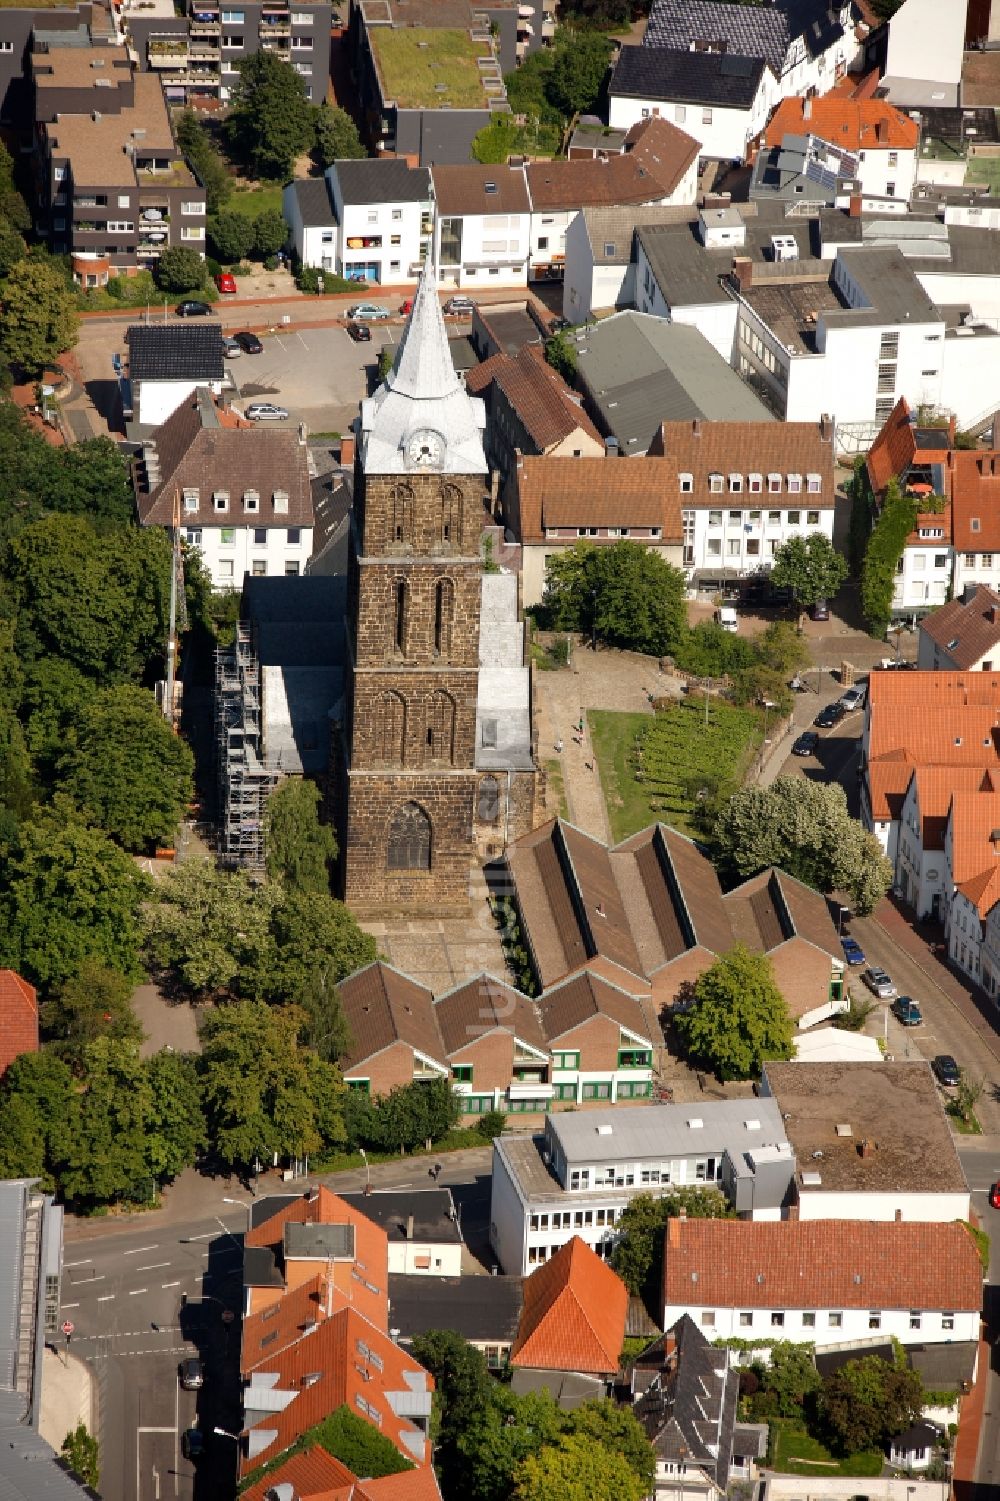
column 423, row 365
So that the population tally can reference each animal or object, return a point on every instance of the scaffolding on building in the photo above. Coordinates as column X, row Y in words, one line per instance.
column 245, row 781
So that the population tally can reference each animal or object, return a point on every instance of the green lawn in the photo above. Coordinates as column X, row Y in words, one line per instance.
column 796, row 1453
column 653, row 766
column 984, row 169
column 424, row 67
column 557, row 785
column 254, row 201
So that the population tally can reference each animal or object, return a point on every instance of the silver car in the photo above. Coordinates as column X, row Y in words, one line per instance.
column 266, row 411
column 879, row 983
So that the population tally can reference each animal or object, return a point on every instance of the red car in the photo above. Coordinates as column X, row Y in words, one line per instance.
column 406, row 306
column 225, row 281
column 995, row 1195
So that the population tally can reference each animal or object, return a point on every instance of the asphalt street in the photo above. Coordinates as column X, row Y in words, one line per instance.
column 142, row 1297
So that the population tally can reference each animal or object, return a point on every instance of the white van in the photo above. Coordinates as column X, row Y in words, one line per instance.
column 726, row 617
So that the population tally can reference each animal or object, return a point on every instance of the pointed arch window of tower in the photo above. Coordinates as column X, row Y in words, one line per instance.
column 451, row 515
column 444, row 610
column 400, row 516
column 390, row 729
column 409, row 841
column 441, row 727
column 399, row 614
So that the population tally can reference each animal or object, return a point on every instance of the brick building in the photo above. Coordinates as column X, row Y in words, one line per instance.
column 436, row 739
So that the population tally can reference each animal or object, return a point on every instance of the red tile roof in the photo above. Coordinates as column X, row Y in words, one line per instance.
column 314, row 1475
column 382, row 1006
column 973, row 819
column 966, row 629
column 855, row 124
column 574, row 1313
column 934, row 790
column 820, row 1264
column 650, row 171
column 701, row 449
column 371, row 1245
column 597, row 492
column 344, row 1359
column 973, row 481
column 536, row 392
column 18, row 1018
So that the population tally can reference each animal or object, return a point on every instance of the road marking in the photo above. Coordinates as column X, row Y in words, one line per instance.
column 139, row 1250
column 170, row 1284
column 153, row 1266
column 107, row 1298
column 83, row 1282
column 212, row 1234
column 69, row 1305
column 68, row 1265
column 135, row 1291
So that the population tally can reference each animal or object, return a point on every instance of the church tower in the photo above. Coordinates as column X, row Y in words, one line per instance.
column 413, row 611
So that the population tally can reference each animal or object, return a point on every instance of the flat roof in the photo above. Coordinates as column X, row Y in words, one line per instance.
column 894, row 1105
column 480, row 1309
column 791, row 310
column 318, row 1242
column 891, row 286
column 80, row 67
column 424, row 67
column 96, row 148
column 432, row 1210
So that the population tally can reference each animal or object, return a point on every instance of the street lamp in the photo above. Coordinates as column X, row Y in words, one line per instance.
column 840, row 919
column 368, row 1171
column 593, row 620
column 768, row 704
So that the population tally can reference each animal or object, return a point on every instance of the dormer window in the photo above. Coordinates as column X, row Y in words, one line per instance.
column 687, row 483
column 220, row 500
column 735, row 484
column 794, row 484
column 755, row 484
column 974, row 524
column 813, row 484
column 190, row 502
column 715, row 483
column 281, row 502
column 251, row 500
column 774, row 484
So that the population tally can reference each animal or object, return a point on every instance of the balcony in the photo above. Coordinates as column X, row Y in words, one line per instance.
column 167, row 54
column 204, row 28
column 529, row 1091
column 203, row 53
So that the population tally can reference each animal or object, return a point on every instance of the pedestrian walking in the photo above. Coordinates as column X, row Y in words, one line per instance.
column 559, row 746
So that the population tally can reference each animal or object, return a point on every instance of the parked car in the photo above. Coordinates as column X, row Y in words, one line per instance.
column 192, row 1443
column 266, row 411
column 406, row 306
column 192, row 1373
column 995, row 1195
column 820, row 610
column 367, row 312
column 907, row 1012
column 853, row 952
column 879, row 984
column 946, row 1070
column 828, row 717
column 359, row 332
column 806, row 744
column 225, row 281
column 248, row 342
column 459, row 304
column 192, row 308
column 233, row 348
column 854, row 698
column 727, row 617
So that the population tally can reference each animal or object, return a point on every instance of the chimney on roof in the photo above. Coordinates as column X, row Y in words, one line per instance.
column 867, row 1147
column 347, row 450
column 743, row 271
column 826, row 428
column 882, row 131
column 899, row 1216
column 519, row 458
column 995, row 840
column 807, row 109
column 303, row 434
column 696, row 427
column 409, row 1227
column 854, row 206
column 994, row 433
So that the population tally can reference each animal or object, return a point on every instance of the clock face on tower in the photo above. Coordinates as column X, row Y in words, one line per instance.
column 425, row 447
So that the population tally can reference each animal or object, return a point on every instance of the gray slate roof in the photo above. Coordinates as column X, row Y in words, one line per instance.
column 175, row 351
column 29, row 1468
column 480, row 1309
column 707, row 78
column 382, row 180
column 688, row 1409
column 764, row 31
column 645, row 1132
column 315, row 204
column 684, row 273
column 392, row 1208
column 610, row 230
column 640, row 371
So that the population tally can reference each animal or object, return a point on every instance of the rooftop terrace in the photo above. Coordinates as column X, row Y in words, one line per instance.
column 425, row 68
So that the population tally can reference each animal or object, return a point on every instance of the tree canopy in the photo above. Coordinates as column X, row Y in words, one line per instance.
column 739, row 1017
column 94, row 1003
column 90, row 479
column 37, row 315
column 126, row 768
column 231, row 235
column 810, row 567
column 180, row 269
column 196, row 144
column 404, row 1118
column 896, row 521
column 576, row 1468
column 271, row 121
column 865, row 1402
column 638, row 1252
column 805, row 828
column 337, row 136
column 300, row 849
column 627, row 595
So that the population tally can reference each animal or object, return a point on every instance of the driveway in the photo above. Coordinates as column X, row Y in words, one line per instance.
column 319, row 374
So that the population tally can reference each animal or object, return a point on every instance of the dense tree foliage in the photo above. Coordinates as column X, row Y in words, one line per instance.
column 90, row 479
column 638, row 1253
column 803, row 827
column 67, row 894
column 300, row 849
column 94, row 1003
column 624, row 594
column 231, row 236
column 263, row 1093
column 37, row 316
column 865, row 1402
column 271, row 121
column 738, row 1017
column 37, row 1103
column 337, row 136
column 180, row 269
column 126, row 768
column 558, row 81
column 810, row 567
column 196, row 144
column 896, row 521
column 270, row 234
column 788, row 1382
column 81, row 1452
column 576, row 1468
column 405, row 1118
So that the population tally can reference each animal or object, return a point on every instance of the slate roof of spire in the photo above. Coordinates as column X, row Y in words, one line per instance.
column 423, row 392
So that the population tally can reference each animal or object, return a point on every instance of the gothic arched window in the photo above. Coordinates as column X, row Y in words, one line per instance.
column 400, row 516
column 409, row 843
column 444, row 610
column 390, row 729
column 489, row 800
column 451, row 515
column 400, row 610
column 441, row 727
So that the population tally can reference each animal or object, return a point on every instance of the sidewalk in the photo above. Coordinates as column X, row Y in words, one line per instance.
column 970, row 1428
column 69, row 1397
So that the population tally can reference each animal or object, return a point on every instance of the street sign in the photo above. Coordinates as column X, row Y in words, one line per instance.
column 68, row 1328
